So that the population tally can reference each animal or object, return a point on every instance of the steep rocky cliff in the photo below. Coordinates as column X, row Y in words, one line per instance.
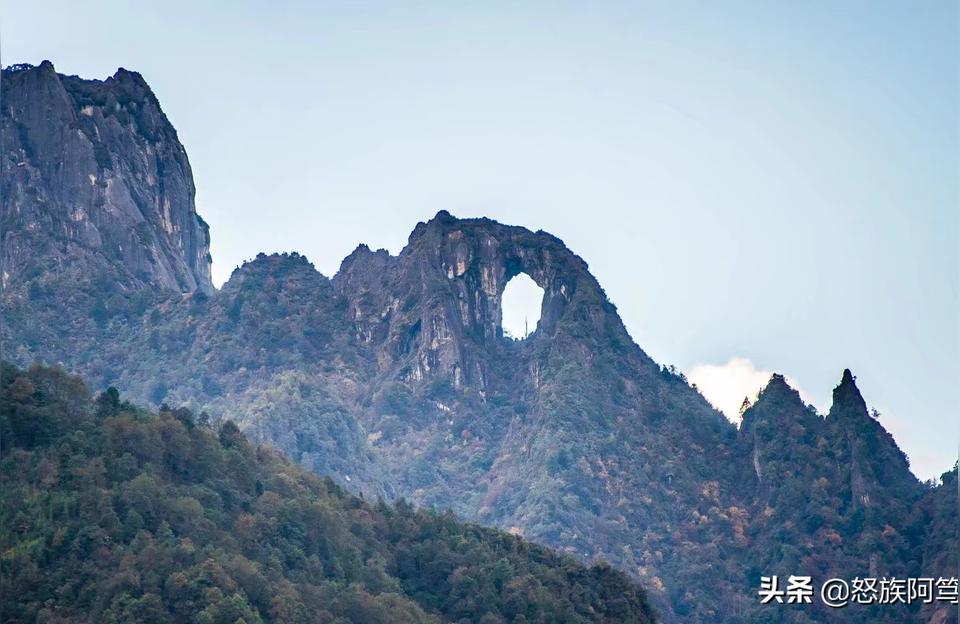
column 96, row 184
column 395, row 378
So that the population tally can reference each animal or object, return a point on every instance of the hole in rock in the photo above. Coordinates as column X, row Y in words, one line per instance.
column 520, row 307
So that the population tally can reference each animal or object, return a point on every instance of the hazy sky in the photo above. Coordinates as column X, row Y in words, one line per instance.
column 759, row 186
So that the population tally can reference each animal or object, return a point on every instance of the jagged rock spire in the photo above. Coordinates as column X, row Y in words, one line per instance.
column 870, row 456
column 847, row 397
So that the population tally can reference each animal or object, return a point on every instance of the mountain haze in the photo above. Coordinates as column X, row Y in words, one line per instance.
column 394, row 376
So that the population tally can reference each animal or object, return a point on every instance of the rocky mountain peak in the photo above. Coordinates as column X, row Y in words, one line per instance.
column 875, row 461
column 95, row 178
column 362, row 260
column 434, row 224
column 847, row 400
column 847, row 380
column 778, row 401
column 273, row 265
column 435, row 309
column 778, row 430
column 124, row 75
column 778, row 386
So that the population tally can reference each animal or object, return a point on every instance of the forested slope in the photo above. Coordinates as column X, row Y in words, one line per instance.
column 109, row 513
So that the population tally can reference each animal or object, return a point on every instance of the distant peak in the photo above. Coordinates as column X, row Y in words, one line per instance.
column 778, row 391
column 432, row 225
column 291, row 258
column 360, row 250
column 777, row 380
column 361, row 256
column 275, row 265
column 848, row 383
column 363, row 249
column 132, row 83
column 44, row 70
column 123, row 74
column 846, row 396
column 778, row 405
column 778, row 384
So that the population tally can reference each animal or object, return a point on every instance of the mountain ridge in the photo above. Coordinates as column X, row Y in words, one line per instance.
column 393, row 376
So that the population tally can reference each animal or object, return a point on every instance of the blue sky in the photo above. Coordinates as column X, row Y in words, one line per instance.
column 759, row 186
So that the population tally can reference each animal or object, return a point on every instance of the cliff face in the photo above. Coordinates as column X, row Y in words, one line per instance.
column 395, row 378
column 96, row 183
column 434, row 311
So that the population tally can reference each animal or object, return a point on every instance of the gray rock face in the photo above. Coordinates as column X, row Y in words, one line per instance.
column 434, row 311
column 95, row 182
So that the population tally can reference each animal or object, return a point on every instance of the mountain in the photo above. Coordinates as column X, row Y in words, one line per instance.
column 114, row 514
column 96, row 181
column 831, row 495
column 394, row 378
column 940, row 514
column 98, row 203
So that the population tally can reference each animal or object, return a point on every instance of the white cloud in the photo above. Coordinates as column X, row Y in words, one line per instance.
column 726, row 385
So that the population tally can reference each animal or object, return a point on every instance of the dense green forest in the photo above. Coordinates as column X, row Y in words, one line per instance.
column 109, row 513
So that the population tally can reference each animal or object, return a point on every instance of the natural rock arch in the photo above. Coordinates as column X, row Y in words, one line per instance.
column 520, row 307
